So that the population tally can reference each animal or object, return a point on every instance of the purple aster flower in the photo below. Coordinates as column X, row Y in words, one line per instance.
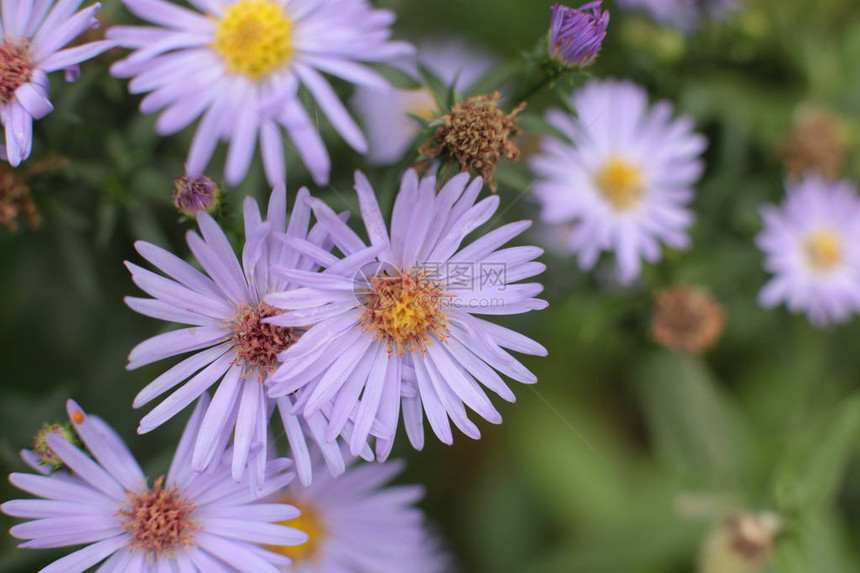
column 624, row 178
column 683, row 14
column 390, row 129
column 576, row 35
column 812, row 247
column 395, row 323
column 356, row 524
column 229, row 343
column 32, row 35
column 184, row 521
column 239, row 64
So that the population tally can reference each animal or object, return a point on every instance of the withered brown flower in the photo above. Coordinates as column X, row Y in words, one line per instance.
column 477, row 134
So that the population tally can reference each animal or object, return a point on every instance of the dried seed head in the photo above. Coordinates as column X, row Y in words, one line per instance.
column 15, row 199
column 477, row 134
column 687, row 319
column 815, row 144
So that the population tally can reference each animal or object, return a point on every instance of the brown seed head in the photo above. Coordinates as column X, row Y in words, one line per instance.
column 686, row 319
column 15, row 199
column 477, row 134
column 815, row 144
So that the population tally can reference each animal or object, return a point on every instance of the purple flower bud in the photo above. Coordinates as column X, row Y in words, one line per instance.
column 192, row 195
column 576, row 35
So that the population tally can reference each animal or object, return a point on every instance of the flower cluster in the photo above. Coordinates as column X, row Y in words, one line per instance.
column 299, row 326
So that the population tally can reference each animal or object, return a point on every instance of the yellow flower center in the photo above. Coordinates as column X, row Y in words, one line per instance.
column 823, row 250
column 405, row 310
column 254, row 38
column 309, row 522
column 620, row 183
column 422, row 104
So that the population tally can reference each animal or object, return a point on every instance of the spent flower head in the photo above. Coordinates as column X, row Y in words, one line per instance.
column 476, row 133
column 815, row 144
column 687, row 319
column 576, row 35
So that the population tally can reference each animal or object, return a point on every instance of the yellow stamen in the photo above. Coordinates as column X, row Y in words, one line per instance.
column 823, row 250
column 620, row 183
column 405, row 311
column 254, row 38
column 309, row 522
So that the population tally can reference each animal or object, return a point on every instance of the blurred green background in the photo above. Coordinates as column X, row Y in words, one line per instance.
column 625, row 456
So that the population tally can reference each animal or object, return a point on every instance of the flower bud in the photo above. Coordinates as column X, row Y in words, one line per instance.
column 41, row 448
column 576, row 35
column 191, row 195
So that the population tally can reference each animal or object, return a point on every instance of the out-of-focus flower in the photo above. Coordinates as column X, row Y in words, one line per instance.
column 394, row 323
column 811, row 245
column 576, row 35
column 44, row 455
column 623, row 179
column 389, row 128
column 356, row 524
column 240, row 64
column 815, row 145
column 192, row 195
column 686, row 319
column 683, row 14
column 228, row 338
column 743, row 543
column 32, row 38
column 476, row 134
column 185, row 521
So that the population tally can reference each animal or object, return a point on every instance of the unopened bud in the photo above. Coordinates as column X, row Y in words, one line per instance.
column 41, row 448
column 191, row 195
column 576, row 35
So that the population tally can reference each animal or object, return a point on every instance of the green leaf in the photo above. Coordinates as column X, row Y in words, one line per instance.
column 814, row 466
column 691, row 422
column 443, row 94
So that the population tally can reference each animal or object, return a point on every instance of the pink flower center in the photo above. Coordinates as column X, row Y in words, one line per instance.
column 16, row 69
column 158, row 519
column 257, row 343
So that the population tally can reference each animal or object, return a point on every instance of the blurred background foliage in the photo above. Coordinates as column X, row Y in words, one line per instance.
column 625, row 457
